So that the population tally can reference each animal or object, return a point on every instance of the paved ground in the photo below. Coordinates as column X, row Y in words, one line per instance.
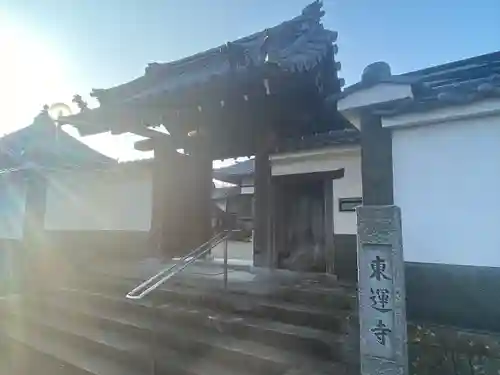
column 210, row 274
column 237, row 251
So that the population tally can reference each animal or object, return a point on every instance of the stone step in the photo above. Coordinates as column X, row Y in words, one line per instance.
column 339, row 297
column 109, row 351
column 118, row 336
column 17, row 358
column 269, row 307
column 301, row 339
column 85, row 360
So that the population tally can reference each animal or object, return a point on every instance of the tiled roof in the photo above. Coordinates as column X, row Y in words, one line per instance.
column 319, row 140
column 235, row 172
column 294, row 45
column 225, row 192
column 456, row 83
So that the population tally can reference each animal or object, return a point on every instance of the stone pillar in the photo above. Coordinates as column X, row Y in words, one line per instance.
column 381, row 291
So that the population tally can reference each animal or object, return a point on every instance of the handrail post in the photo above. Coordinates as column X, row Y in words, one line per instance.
column 154, row 339
column 225, row 259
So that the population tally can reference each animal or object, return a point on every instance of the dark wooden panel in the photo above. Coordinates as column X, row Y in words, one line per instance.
column 346, row 265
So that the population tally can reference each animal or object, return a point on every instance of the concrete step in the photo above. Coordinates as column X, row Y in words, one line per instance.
column 126, row 339
column 319, row 343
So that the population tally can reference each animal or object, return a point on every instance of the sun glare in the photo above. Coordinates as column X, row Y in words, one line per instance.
column 32, row 74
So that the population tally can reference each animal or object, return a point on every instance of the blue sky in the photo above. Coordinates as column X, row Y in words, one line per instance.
column 66, row 47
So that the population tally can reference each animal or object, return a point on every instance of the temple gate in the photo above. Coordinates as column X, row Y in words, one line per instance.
column 244, row 98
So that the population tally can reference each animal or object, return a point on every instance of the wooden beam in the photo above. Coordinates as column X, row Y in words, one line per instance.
column 155, row 137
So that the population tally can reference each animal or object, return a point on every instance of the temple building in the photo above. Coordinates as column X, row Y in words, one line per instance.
column 257, row 96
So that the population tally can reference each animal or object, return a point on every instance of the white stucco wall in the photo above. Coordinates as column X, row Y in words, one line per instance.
column 99, row 201
column 12, row 206
column 446, row 181
column 347, row 157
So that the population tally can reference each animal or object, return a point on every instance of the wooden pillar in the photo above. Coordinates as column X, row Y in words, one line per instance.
column 376, row 161
column 167, row 176
column 156, row 232
column 200, row 193
column 262, row 253
column 182, row 188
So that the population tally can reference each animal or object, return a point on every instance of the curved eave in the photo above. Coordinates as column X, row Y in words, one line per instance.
column 114, row 118
column 293, row 45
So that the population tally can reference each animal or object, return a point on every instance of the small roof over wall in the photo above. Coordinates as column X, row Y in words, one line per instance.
column 235, row 173
column 45, row 144
column 456, row 83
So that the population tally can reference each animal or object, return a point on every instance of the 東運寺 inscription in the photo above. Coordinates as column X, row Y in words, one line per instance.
column 381, row 291
column 378, row 301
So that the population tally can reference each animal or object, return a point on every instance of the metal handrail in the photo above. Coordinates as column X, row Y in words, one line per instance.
column 151, row 284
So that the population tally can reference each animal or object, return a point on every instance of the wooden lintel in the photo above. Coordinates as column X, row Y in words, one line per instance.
column 144, row 145
column 150, row 144
column 150, row 133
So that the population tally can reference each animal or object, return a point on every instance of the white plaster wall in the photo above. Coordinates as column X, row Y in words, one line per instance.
column 99, row 201
column 247, row 190
column 348, row 158
column 12, row 206
column 446, row 181
column 247, row 181
column 348, row 187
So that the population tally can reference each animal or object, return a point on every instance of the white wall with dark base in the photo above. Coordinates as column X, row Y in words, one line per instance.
column 99, row 201
column 446, row 181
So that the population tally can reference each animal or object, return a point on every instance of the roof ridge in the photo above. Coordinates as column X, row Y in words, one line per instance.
column 208, row 53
